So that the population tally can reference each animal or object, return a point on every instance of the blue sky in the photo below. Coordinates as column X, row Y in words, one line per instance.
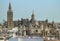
column 43, row 9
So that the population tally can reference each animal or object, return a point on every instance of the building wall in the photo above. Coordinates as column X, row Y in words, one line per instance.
column 0, row 28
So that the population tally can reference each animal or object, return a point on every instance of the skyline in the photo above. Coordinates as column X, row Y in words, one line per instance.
column 43, row 9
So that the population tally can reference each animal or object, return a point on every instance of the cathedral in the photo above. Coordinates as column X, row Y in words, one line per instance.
column 30, row 27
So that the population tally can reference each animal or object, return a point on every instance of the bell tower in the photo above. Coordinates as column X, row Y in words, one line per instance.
column 10, row 17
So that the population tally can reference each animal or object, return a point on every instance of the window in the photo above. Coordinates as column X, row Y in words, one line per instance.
column 36, row 30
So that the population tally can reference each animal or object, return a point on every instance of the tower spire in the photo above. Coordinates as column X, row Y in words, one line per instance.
column 33, row 12
column 9, row 5
column 33, row 16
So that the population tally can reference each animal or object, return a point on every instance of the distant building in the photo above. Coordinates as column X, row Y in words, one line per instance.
column 29, row 27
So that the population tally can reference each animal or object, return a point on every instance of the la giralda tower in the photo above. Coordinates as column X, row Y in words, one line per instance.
column 10, row 17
